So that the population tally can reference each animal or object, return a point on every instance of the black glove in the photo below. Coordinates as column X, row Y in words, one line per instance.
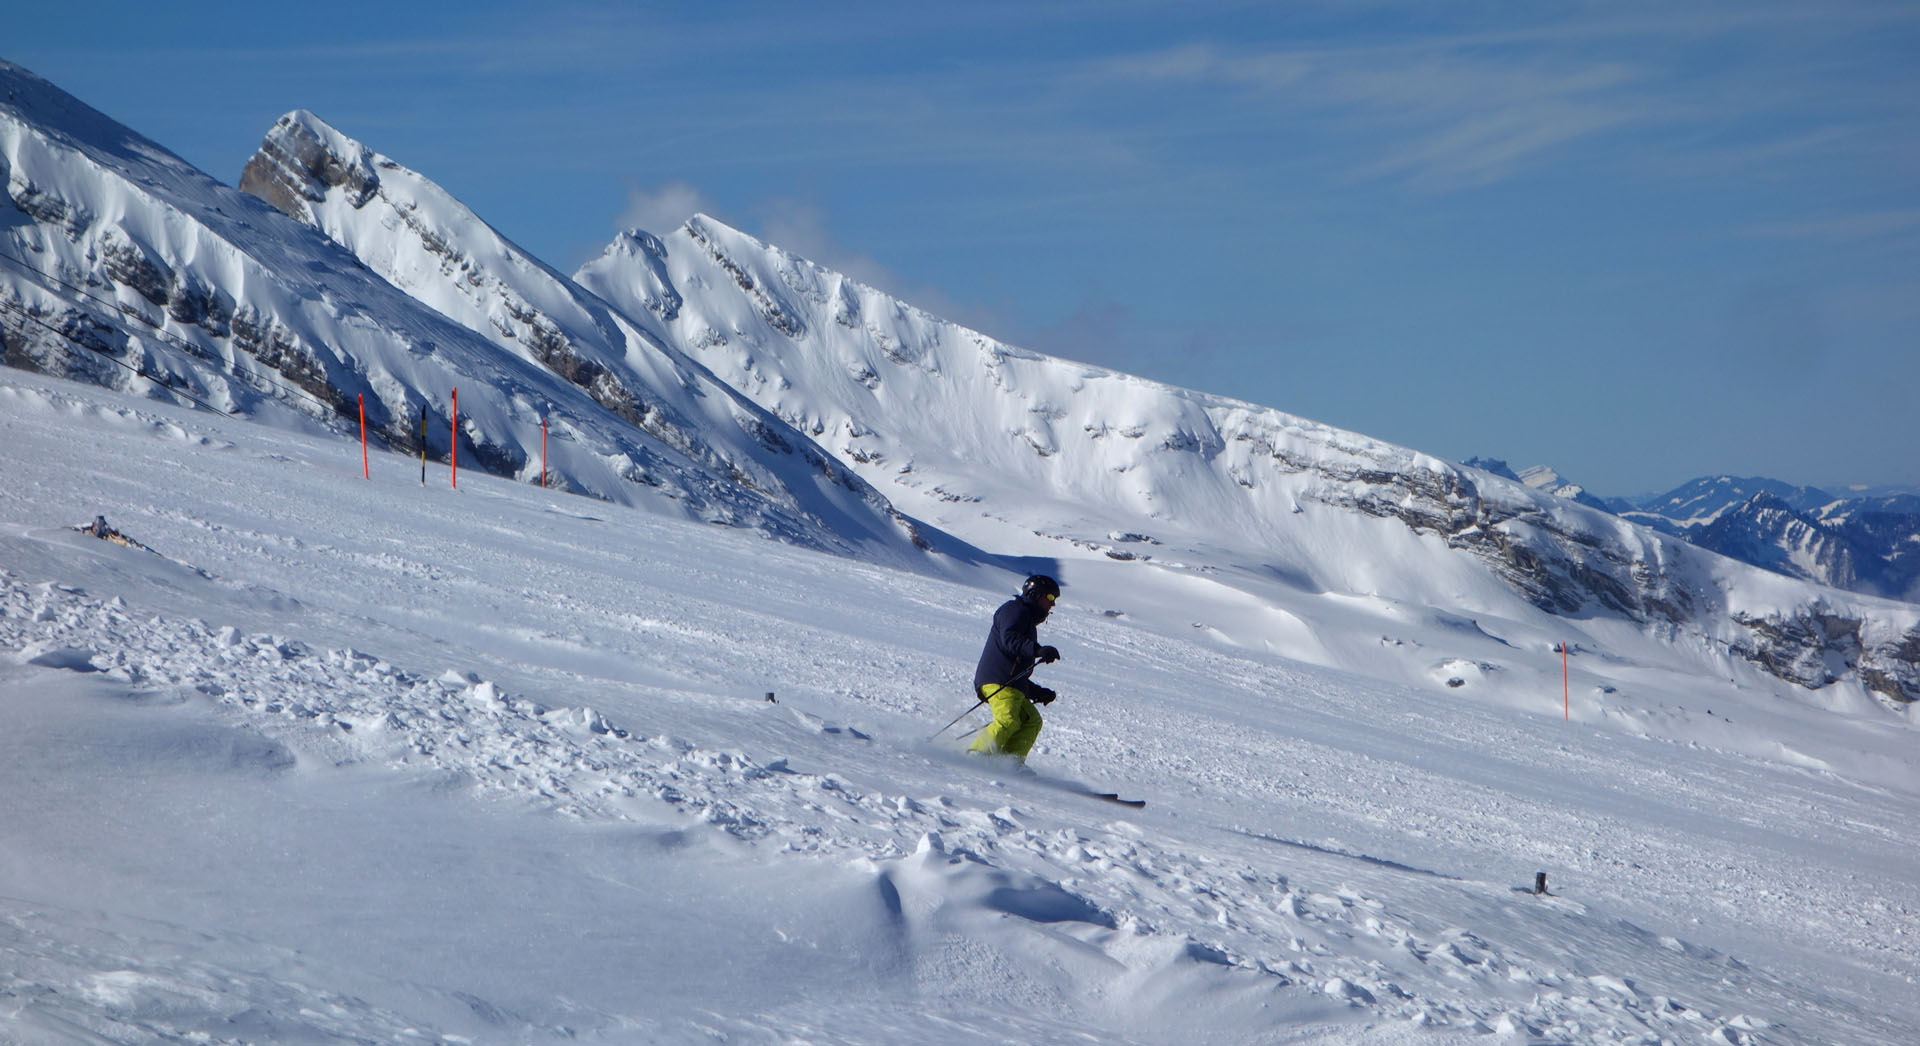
column 1043, row 696
column 1048, row 655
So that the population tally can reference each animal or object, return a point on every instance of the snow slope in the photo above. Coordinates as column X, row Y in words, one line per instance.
column 351, row 760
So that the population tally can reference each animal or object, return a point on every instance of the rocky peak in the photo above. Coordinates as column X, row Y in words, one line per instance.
column 1547, row 480
column 641, row 257
column 301, row 158
column 1495, row 466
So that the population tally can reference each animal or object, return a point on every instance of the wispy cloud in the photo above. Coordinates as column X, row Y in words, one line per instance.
column 802, row 228
column 1449, row 100
column 1431, row 112
column 1845, row 228
column 1471, row 123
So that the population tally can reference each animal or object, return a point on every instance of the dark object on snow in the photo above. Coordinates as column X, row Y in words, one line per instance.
column 1540, row 883
column 1114, row 797
column 99, row 528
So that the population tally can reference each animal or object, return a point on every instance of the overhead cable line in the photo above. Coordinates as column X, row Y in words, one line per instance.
column 110, row 358
column 160, row 332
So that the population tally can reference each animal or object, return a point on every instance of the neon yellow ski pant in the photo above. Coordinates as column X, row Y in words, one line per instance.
column 1015, row 726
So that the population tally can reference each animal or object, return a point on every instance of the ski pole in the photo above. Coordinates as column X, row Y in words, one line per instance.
column 978, row 701
column 956, row 719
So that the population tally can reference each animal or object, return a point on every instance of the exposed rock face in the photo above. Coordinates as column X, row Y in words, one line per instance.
column 1565, row 568
column 298, row 165
column 295, row 167
column 1815, row 648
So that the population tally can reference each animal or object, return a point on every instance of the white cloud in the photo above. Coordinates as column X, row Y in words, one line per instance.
column 794, row 225
column 801, row 227
column 664, row 209
column 1447, row 115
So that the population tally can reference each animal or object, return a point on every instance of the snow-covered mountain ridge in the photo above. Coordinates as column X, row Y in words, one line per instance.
column 985, row 438
column 126, row 266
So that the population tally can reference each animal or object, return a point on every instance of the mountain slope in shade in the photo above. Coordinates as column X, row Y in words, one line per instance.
column 126, row 266
column 1000, row 444
column 1861, row 542
column 1767, row 531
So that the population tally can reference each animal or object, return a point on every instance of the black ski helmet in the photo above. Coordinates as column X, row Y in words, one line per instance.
column 1040, row 587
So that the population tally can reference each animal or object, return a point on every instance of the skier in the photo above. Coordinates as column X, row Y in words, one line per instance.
column 1013, row 649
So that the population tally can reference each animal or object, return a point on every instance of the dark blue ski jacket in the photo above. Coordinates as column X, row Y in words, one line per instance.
column 1013, row 645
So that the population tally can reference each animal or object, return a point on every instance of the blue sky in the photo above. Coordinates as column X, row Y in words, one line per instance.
column 1639, row 242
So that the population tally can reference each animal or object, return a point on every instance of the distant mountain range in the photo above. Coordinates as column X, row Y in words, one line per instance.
column 1864, row 541
column 706, row 374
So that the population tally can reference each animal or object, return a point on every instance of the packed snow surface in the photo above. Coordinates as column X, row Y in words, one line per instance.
column 336, row 759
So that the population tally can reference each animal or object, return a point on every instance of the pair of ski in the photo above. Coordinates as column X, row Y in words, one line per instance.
column 1065, row 786
column 1114, row 797
column 1076, row 788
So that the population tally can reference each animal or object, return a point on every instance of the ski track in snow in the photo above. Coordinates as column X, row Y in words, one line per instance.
column 1320, row 851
